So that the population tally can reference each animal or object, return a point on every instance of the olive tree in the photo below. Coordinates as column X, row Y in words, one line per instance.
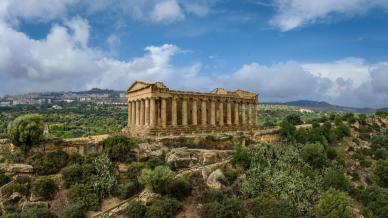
column 26, row 130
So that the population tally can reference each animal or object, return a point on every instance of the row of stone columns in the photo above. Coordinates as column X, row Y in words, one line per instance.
column 146, row 112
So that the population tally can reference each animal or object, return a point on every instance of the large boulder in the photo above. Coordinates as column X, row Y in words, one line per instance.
column 147, row 197
column 181, row 158
column 213, row 181
column 16, row 168
column 147, row 150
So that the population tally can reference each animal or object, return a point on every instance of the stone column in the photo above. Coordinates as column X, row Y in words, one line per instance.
column 137, row 112
column 129, row 113
column 174, row 115
column 147, row 112
column 164, row 112
column 133, row 120
column 236, row 113
column 184, row 112
column 228, row 113
column 142, row 112
column 255, row 122
column 221, row 113
column 152, row 112
column 243, row 112
column 194, row 116
column 204, row 113
column 213, row 112
column 250, row 114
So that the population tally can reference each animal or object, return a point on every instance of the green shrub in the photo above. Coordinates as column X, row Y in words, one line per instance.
column 212, row 195
column 83, row 195
column 381, row 154
column 294, row 119
column 128, row 190
column 334, row 203
column 156, row 180
column 76, row 210
column 72, row 175
column 335, row 178
column 23, row 189
column 164, row 208
column 134, row 170
column 26, row 130
column 178, row 188
column 44, row 187
column 136, row 210
column 104, row 179
column 36, row 213
column 375, row 198
column 118, row 148
column 228, row 208
column 267, row 205
column 314, row 154
column 48, row 163
column 287, row 131
column 331, row 153
column 153, row 162
column 230, row 175
column 4, row 179
column 241, row 158
column 381, row 173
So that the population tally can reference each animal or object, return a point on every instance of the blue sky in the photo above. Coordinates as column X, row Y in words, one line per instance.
column 332, row 50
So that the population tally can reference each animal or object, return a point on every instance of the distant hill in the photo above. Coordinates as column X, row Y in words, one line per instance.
column 324, row 106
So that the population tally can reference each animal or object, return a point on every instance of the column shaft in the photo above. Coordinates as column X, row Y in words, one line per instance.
column 204, row 113
column 142, row 112
column 133, row 120
column 221, row 113
column 147, row 112
column 137, row 113
column 213, row 113
column 255, row 112
column 174, row 112
column 228, row 113
column 152, row 112
column 243, row 112
column 250, row 121
column 236, row 113
column 164, row 112
column 194, row 112
column 129, row 113
column 184, row 112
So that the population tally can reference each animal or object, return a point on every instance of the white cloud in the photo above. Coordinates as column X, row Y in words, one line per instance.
column 296, row 13
column 167, row 11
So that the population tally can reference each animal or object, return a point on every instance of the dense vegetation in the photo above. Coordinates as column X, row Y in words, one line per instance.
column 73, row 120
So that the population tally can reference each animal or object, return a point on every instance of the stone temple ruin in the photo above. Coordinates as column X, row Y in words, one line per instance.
column 154, row 109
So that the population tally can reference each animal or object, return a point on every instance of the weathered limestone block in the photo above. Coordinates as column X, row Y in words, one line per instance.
column 147, row 197
column 181, row 158
column 147, row 150
column 213, row 181
column 16, row 168
column 35, row 198
column 38, row 204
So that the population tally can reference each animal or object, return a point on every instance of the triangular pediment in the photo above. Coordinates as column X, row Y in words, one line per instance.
column 219, row 91
column 138, row 85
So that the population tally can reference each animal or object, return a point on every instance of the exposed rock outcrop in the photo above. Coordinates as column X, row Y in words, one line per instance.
column 213, row 181
column 147, row 150
column 147, row 197
column 181, row 158
column 16, row 168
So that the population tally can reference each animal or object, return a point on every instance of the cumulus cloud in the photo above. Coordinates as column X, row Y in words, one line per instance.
column 296, row 13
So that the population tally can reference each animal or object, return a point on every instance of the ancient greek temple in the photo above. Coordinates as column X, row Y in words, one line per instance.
column 154, row 109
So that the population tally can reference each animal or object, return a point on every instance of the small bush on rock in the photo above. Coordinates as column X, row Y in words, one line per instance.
column 178, row 188
column 228, row 208
column 314, row 154
column 156, row 180
column 72, row 175
column 164, row 208
column 44, row 187
column 335, row 178
column 4, row 179
column 74, row 211
column 48, row 163
column 334, row 203
column 267, row 205
column 118, row 148
column 26, row 131
column 136, row 210
column 36, row 213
